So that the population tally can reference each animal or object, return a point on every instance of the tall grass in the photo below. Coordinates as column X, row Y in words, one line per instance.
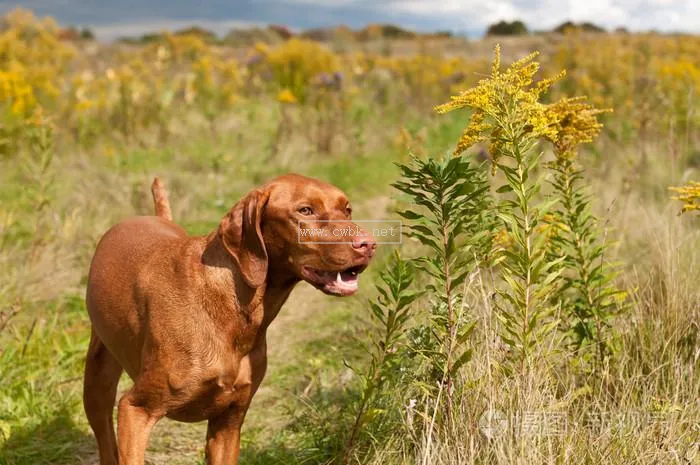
column 555, row 285
column 547, row 313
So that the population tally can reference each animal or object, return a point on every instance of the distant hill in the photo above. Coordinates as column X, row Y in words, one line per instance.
column 329, row 34
column 73, row 34
column 250, row 36
column 200, row 32
column 570, row 26
column 505, row 28
column 277, row 33
column 384, row 31
column 205, row 34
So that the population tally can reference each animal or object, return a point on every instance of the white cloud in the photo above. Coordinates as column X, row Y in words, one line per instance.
column 664, row 15
column 324, row 3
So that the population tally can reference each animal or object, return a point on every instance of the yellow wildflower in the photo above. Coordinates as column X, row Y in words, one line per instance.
column 510, row 93
column 474, row 132
column 15, row 90
column 32, row 48
column 551, row 226
column 38, row 118
column 261, row 48
column 286, row 96
column 574, row 122
column 689, row 195
column 298, row 62
column 84, row 105
column 503, row 239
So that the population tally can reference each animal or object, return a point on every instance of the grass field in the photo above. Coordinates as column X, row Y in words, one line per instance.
column 86, row 127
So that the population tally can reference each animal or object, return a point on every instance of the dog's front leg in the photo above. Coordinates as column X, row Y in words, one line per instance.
column 224, row 431
column 224, row 436
column 134, row 427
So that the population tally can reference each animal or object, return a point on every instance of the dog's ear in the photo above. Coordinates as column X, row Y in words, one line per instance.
column 241, row 233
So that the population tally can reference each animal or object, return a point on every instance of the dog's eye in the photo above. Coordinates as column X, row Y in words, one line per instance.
column 348, row 210
column 306, row 211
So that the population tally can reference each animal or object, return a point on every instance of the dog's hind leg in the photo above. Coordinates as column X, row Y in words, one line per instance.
column 102, row 372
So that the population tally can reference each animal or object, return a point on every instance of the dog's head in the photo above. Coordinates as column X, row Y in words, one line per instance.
column 300, row 228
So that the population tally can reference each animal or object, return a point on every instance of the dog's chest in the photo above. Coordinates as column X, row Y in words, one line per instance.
column 218, row 388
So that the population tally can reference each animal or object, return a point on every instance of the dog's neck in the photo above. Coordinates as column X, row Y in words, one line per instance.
column 259, row 306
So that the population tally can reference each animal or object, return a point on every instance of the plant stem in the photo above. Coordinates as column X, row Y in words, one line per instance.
column 450, row 321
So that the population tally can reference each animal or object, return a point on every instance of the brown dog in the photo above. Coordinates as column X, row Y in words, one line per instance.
column 186, row 317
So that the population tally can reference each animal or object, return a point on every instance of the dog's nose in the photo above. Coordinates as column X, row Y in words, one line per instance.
column 364, row 243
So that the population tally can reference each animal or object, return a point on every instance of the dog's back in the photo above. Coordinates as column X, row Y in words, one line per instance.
column 122, row 255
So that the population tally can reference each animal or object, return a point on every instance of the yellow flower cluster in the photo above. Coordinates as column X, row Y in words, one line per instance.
column 510, row 95
column 286, row 96
column 689, row 195
column 510, row 101
column 31, row 60
column 427, row 77
column 141, row 88
column 16, row 91
column 574, row 122
column 650, row 80
column 216, row 79
column 181, row 48
column 297, row 63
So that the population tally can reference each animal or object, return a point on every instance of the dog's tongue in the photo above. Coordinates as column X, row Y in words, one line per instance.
column 337, row 282
column 344, row 282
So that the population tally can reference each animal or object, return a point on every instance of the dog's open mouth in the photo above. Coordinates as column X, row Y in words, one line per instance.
column 340, row 283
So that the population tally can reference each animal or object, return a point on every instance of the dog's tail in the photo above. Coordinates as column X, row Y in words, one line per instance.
column 160, row 199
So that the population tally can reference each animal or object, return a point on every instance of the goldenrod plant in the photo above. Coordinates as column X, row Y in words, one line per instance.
column 297, row 63
column 689, row 194
column 390, row 315
column 506, row 113
column 216, row 84
column 449, row 218
column 589, row 297
column 30, row 47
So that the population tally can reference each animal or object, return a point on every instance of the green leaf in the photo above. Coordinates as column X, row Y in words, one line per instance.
column 464, row 358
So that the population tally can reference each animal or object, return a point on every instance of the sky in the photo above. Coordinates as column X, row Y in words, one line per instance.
column 115, row 18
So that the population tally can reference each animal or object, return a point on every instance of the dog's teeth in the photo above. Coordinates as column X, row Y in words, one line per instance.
column 339, row 279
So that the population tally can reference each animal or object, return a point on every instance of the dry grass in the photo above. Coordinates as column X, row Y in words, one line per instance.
column 653, row 385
